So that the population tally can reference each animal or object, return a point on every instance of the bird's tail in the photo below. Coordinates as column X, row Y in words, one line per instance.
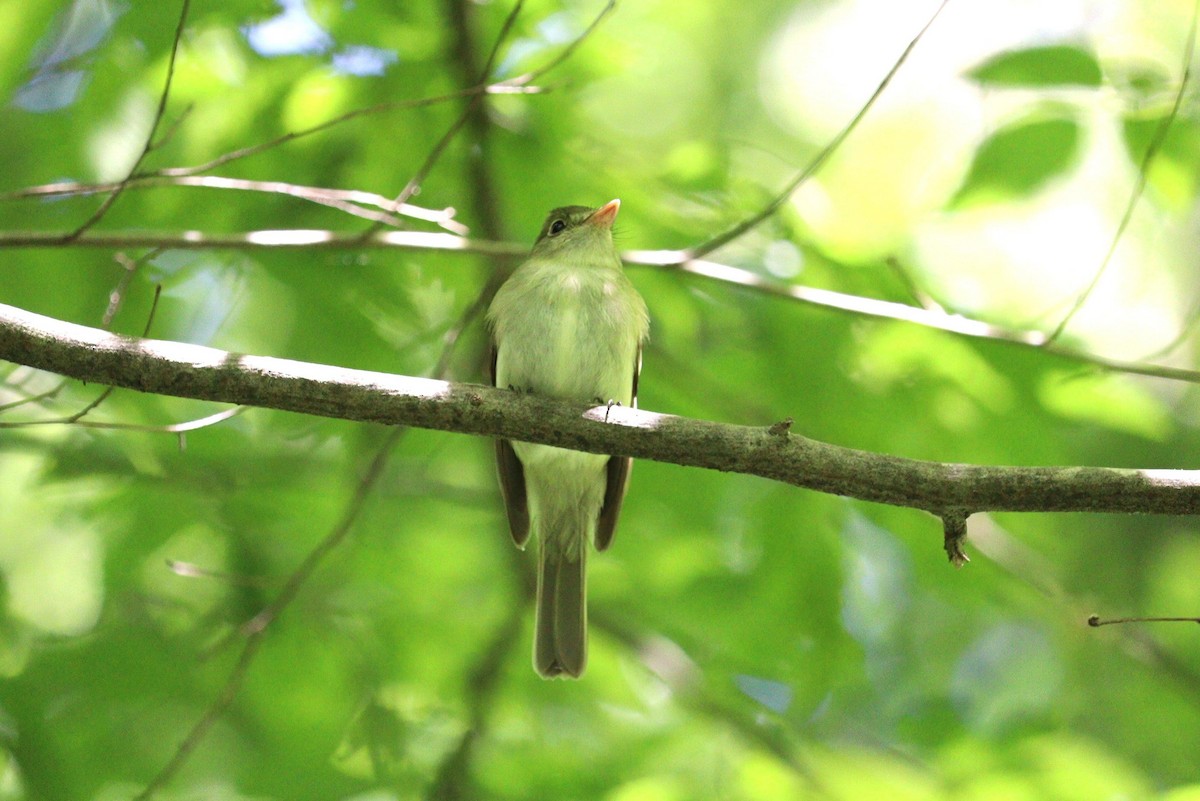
column 560, row 637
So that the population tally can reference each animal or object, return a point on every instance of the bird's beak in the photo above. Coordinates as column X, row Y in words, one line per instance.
column 605, row 215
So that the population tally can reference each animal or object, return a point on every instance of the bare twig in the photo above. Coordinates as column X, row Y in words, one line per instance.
column 1095, row 621
column 150, row 144
column 914, row 290
column 378, row 108
column 229, row 691
column 1025, row 565
column 886, row 309
column 117, row 296
column 662, row 259
column 521, row 84
column 190, row 570
column 566, row 53
column 1139, row 186
column 414, row 184
column 309, row 239
column 724, row 238
column 484, row 195
column 255, row 628
column 347, row 200
column 179, row 429
column 36, row 398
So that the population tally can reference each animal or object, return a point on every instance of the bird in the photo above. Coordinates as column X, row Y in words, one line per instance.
column 569, row 324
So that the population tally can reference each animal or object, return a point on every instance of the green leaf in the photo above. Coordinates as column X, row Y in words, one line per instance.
column 1172, row 174
column 1052, row 65
column 1019, row 159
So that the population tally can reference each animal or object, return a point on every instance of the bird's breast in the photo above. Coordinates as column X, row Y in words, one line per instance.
column 568, row 332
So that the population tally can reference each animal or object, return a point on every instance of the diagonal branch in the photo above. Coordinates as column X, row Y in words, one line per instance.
column 890, row 310
column 150, row 143
column 255, row 629
column 473, row 105
column 565, row 53
column 724, row 238
column 464, row 50
column 943, row 489
column 1139, row 186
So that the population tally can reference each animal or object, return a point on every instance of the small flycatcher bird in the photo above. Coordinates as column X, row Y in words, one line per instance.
column 566, row 324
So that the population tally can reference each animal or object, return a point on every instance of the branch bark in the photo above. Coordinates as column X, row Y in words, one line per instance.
column 773, row 452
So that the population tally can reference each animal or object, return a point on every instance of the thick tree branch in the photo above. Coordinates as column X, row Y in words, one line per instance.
column 193, row 371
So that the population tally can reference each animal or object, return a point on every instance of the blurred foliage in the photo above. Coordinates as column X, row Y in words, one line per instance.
column 1054, row 65
column 749, row 640
column 1020, row 158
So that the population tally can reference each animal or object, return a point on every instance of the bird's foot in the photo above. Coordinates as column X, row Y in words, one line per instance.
column 608, row 404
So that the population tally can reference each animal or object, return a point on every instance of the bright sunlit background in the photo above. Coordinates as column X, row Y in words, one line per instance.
column 748, row 640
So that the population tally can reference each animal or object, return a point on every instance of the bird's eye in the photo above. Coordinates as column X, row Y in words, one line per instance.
column 557, row 227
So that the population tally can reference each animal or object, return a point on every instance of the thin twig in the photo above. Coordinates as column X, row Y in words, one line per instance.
column 117, row 296
column 1139, row 186
column 309, row 239
column 379, row 108
column 566, row 53
column 255, row 629
column 480, row 180
column 1192, row 318
column 184, row 427
column 41, row 396
column 518, row 85
column 149, row 143
column 886, row 309
column 1095, row 621
column 914, row 290
column 704, row 248
column 347, row 200
column 190, row 570
column 229, row 691
column 431, row 159
column 662, row 259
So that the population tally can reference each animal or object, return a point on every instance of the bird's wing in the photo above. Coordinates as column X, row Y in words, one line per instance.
column 512, row 477
column 618, row 479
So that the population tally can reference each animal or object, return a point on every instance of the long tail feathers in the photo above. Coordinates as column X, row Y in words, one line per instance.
column 560, row 638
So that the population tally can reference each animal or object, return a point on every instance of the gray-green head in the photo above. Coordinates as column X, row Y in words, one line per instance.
column 578, row 231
